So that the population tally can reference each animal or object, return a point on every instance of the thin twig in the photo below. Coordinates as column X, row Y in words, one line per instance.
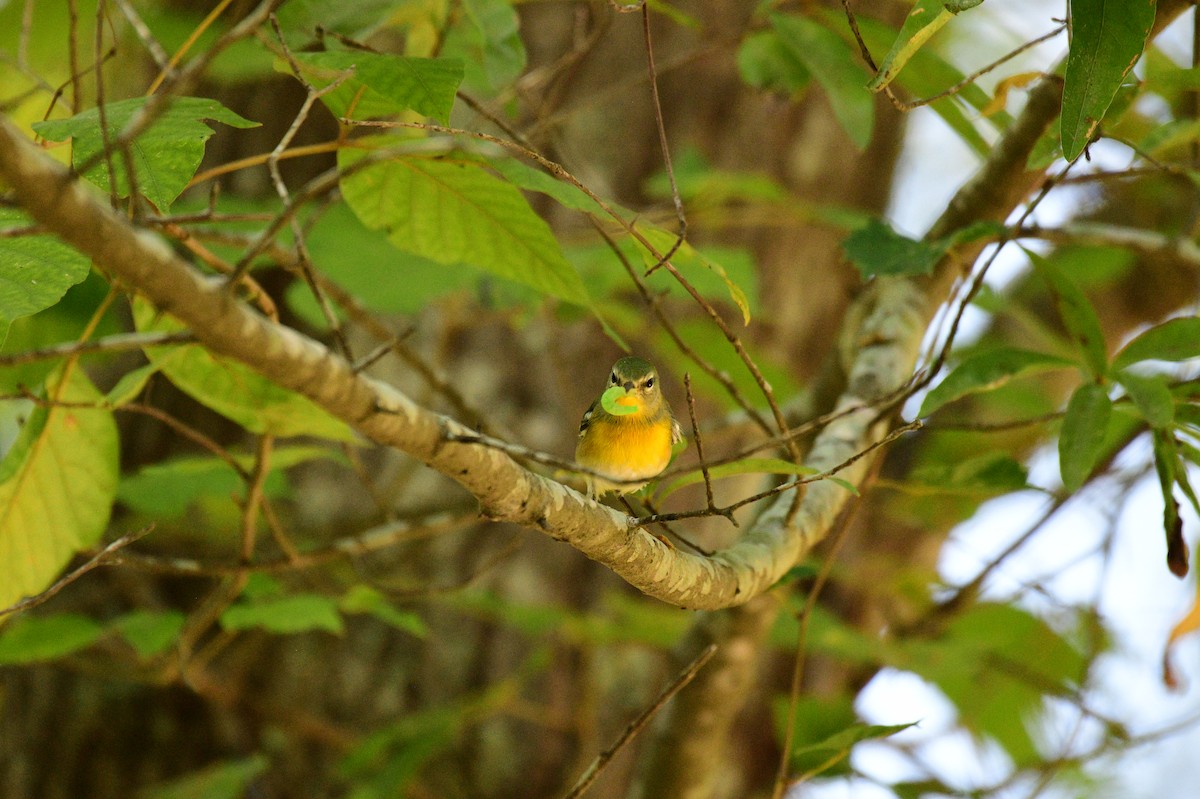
column 788, row 486
column 682, row 679
column 375, row 539
column 655, row 306
column 691, row 402
column 303, row 260
column 662, row 143
column 839, row 538
column 102, row 557
column 121, row 342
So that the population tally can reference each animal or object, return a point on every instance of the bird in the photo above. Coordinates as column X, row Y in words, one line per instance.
column 633, row 443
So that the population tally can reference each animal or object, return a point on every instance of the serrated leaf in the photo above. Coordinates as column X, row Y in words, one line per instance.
column 455, row 212
column 295, row 613
column 1107, row 38
column 233, row 389
column 836, row 67
column 164, row 158
column 37, row 638
column 926, row 18
column 384, row 85
column 150, row 632
column 744, row 466
column 876, row 249
column 987, row 370
column 1151, row 395
column 36, row 273
column 57, row 484
column 1173, row 340
column 365, row 599
column 1082, row 438
column 1077, row 313
column 227, row 779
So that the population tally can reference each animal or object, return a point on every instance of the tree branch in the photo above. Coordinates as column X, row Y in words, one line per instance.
column 505, row 490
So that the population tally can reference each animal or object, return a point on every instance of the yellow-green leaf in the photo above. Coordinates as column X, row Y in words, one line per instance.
column 57, row 484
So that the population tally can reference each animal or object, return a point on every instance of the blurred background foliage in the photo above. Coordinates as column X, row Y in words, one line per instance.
column 306, row 615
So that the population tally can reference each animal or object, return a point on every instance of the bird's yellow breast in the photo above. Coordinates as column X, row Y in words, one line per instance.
column 626, row 449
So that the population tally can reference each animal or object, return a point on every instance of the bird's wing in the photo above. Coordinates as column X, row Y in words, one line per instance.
column 676, row 431
column 587, row 417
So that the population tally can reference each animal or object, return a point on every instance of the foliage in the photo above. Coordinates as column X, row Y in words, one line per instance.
column 431, row 209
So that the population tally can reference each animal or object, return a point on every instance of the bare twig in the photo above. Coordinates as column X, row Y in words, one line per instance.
column 683, row 678
column 681, row 235
column 101, row 558
column 691, row 402
column 120, row 342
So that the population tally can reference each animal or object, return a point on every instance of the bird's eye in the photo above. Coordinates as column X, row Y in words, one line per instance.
column 650, row 383
column 614, row 379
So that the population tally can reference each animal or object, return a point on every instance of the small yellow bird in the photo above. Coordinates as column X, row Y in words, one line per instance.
column 629, row 446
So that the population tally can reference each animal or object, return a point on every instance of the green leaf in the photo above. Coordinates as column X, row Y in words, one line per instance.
column 36, row 273
column 487, row 39
column 1173, row 340
column 1107, row 38
column 927, row 74
column 367, row 265
column 233, row 389
column 686, row 259
column 988, row 474
column 987, row 370
column 150, row 632
column 823, row 733
column 997, row 664
column 294, row 613
column 1151, row 395
column 877, row 249
column 384, row 85
column 1077, row 314
column 130, row 385
column 57, row 484
column 1168, row 468
column 1082, row 438
column 530, row 178
column 926, row 18
column 227, row 779
column 300, row 19
column 365, row 599
column 836, row 67
column 35, row 638
column 842, row 741
column 164, row 158
column 167, row 489
column 453, row 211
column 765, row 62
